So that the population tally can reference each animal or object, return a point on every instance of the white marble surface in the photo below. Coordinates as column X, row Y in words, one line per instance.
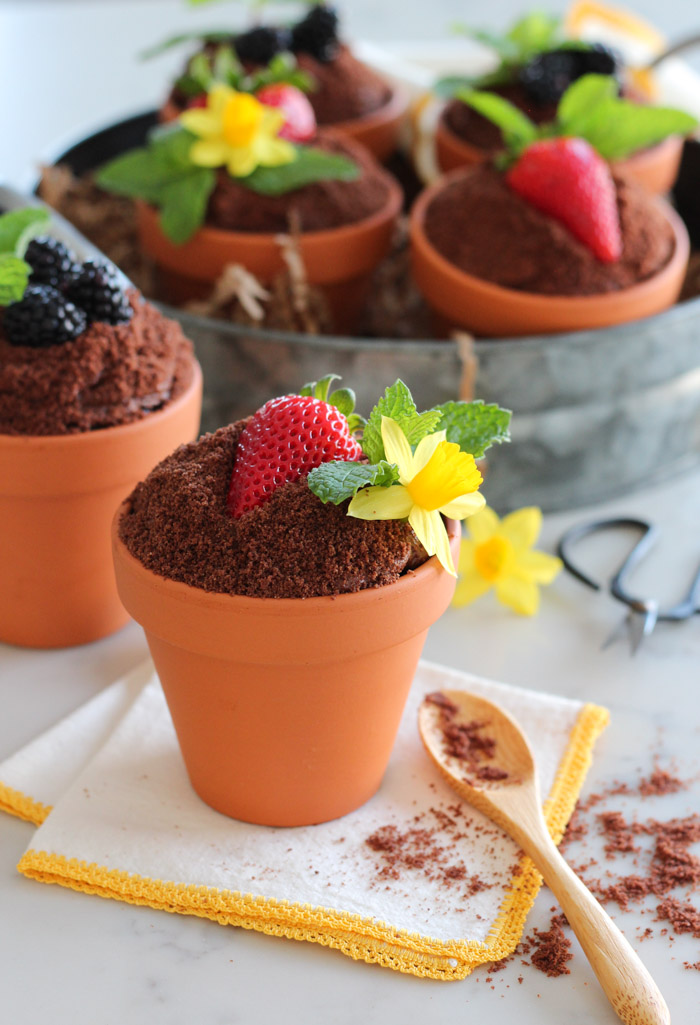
column 80, row 960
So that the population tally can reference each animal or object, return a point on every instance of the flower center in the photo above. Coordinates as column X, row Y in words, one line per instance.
column 492, row 556
column 448, row 474
column 241, row 119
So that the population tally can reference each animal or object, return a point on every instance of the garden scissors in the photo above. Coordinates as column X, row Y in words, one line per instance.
column 644, row 613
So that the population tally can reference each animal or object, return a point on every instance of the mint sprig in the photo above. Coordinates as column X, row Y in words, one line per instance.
column 162, row 174
column 222, row 67
column 535, row 33
column 311, row 165
column 335, row 482
column 17, row 229
column 474, row 426
column 590, row 109
column 397, row 403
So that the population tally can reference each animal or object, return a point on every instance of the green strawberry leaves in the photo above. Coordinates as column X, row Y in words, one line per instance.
column 17, row 229
column 335, row 482
column 590, row 109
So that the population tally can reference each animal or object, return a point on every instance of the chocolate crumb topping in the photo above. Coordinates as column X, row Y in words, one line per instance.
column 178, row 525
column 111, row 374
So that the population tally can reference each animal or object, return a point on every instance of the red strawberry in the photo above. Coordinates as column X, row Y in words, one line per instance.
column 284, row 440
column 300, row 120
column 197, row 101
column 567, row 179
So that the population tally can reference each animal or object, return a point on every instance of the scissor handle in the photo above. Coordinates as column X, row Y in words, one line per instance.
column 577, row 533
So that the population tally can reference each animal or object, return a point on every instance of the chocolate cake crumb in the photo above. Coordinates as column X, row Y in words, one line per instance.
column 315, row 207
column 659, row 783
column 552, row 949
column 485, row 228
column 178, row 525
column 108, row 376
column 344, row 88
column 683, row 917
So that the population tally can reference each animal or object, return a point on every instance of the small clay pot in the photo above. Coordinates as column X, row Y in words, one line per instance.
column 378, row 131
column 655, row 168
column 58, row 495
column 339, row 261
column 464, row 301
column 286, row 709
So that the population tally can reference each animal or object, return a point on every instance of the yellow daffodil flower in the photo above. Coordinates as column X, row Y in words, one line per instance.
column 437, row 478
column 499, row 554
column 236, row 131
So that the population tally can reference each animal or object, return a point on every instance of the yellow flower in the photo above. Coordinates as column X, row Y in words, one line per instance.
column 437, row 478
column 237, row 131
column 500, row 554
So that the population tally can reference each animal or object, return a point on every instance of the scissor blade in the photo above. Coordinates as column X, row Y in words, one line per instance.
column 638, row 624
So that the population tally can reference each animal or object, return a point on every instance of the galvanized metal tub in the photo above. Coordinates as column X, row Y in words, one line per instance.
column 597, row 413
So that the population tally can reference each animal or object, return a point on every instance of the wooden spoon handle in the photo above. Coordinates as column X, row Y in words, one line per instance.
column 628, row 985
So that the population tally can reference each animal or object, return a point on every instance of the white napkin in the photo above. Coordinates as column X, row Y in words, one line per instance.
column 453, row 893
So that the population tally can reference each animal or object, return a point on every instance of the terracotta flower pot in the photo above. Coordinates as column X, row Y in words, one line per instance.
column 58, row 495
column 465, row 301
column 340, row 261
column 378, row 132
column 655, row 168
column 286, row 710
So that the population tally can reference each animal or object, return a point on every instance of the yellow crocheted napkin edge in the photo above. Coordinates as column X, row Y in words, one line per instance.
column 16, row 803
column 360, row 938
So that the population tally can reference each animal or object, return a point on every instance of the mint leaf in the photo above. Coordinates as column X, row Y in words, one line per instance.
column 421, row 425
column 620, row 127
column 18, row 227
column 311, row 165
column 144, row 173
column 474, row 426
column 518, row 130
column 579, row 102
column 397, row 402
column 335, row 482
column 14, row 275
column 534, row 34
column 450, row 85
column 183, row 204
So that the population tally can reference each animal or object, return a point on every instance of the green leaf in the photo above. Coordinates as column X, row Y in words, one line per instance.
column 343, row 399
column 335, row 482
column 451, row 85
column 18, row 227
column 518, row 130
column 581, row 99
column 183, row 204
column 397, row 403
column 474, row 426
column 217, row 36
column 14, row 275
column 620, row 127
column 311, row 165
column 534, row 34
column 144, row 173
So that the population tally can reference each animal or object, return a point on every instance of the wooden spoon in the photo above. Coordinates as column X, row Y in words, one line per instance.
column 513, row 802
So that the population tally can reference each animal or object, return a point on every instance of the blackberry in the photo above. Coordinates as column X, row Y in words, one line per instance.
column 51, row 262
column 260, row 45
column 547, row 76
column 43, row 317
column 317, row 33
column 97, row 290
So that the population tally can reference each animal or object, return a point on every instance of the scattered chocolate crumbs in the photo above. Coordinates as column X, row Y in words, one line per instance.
column 552, row 949
column 660, row 782
column 107, row 376
column 178, row 525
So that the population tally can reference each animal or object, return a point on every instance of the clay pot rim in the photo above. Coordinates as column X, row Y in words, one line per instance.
column 396, row 105
column 498, row 293
column 390, row 209
column 90, row 438
column 176, row 590
column 622, row 165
